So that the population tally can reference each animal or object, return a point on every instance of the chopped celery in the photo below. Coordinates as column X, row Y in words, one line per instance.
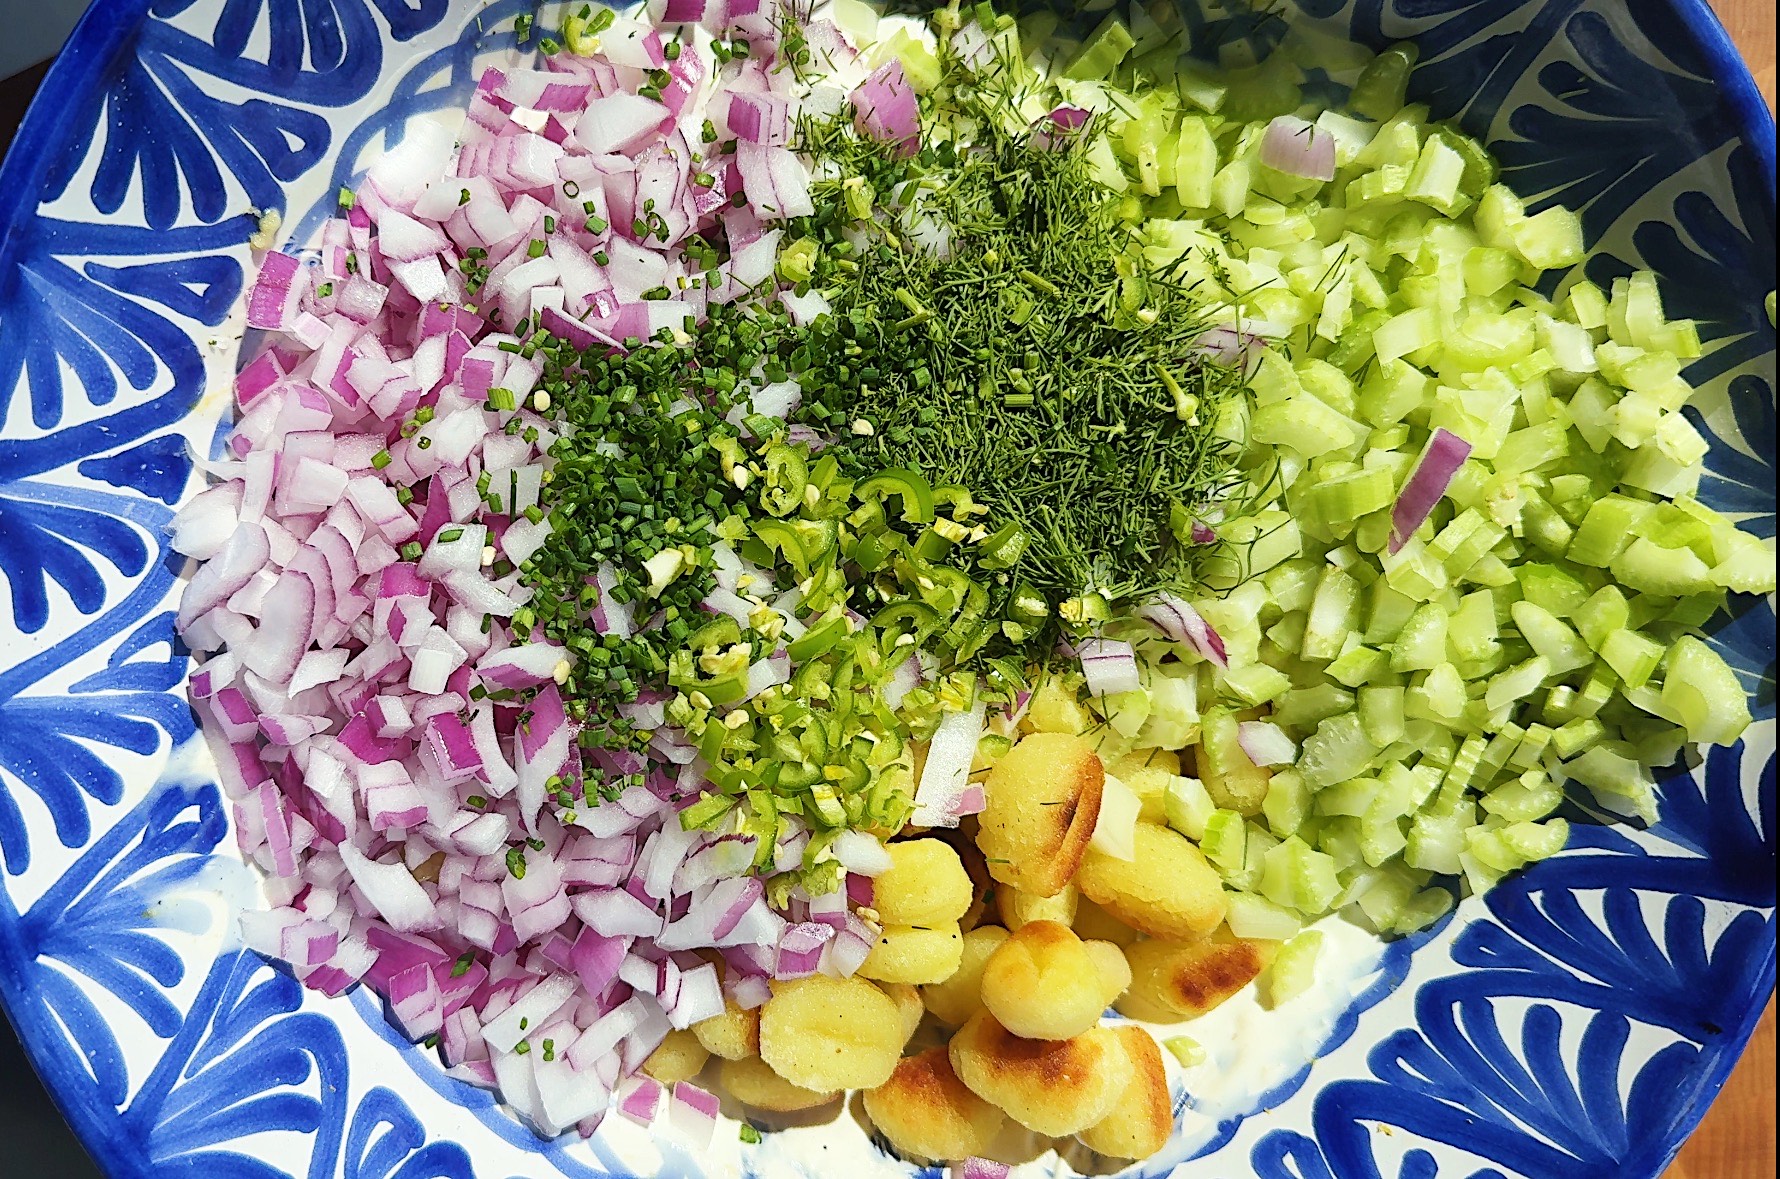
column 1225, row 840
column 1287, row 804
column 1294, row 969
column 1517, row 683
column 1337, row 751
column 1632, row 657
column 1187, row 1050
column 1618, row 782
column 1703, row 694
column 1297, row 876
column 1422, row 644
column 1188, row 806
column 1533, row 795
column 1251, row 916
column 1332, row 613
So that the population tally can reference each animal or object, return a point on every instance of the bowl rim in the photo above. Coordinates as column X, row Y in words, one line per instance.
column 107, row 25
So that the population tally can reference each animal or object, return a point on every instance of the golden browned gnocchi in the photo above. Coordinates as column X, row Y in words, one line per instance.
column 678, row 1058
column 825, row 1034
column 909, row 1008
column 1112, row 968
column 1044, row 984
column 1142, row 1119
column 1174, row 980
column 1018, row 908
column 1043, row 804
column 1055, row 1087
column 926, row 885
column 959, row 997
column 753, row 1083
column 1147, row 773
column 1092, row 923
column 928, row 1114
column 1056, row 707
column 734, row 1035
column 915, row 954
column 1167, row 890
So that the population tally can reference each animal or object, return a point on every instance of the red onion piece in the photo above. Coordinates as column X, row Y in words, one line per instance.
column 1110, row 666
column 1176, row 618
column 1299, row 148
column 1440, row 460
column 1266, row 744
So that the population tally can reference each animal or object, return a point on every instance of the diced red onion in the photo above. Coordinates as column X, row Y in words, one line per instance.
column 1266, row 744
column 1110, row 666
column 1176, row 618
column 1299, row 148
column 1440, row 461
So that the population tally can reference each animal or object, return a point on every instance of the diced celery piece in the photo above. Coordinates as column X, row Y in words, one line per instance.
column 1352, row 798
column 1436, row 839
column 1382, row 714
column 1517, row 683
column 1230, row 187
column 1533, row 795
column 1703, row 694
column 1332, row 614
column 1499, row 211
column 1348, row 497
column 1427, row 907
column 1256, row 683
column 1337, row 751
column 1632, row 657
column 1471, row 632
column 1294, row 969
column 1436, row 177
column 1387, row 897
column 1190, row 1052
column 1609, row 529
column 1387, row 613
column 1251, row 916
column 1287, row 804
column 1299, row 877
column 1195, row 163
column 1422, row 644
column 1595, row 694
column 1358, row 665
column 1225, row 840
column 1406, row 333
column 1542, row 524
column 1552, row 589
column 1605, row 611
column 1650, row 568
column 1306, row 424
column 1551, row 637
column 1393, row 389
column 1531, row 751
column 1532, row 448
column 1550, row 239
column 1439, row 696
column 1198, row 89
column 1188, row 806
column 1587, row 306
column 1618, row 781
column 1102, row 52
column 1535, row 841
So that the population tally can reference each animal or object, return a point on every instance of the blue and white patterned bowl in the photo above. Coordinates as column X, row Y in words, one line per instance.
column 1573, row 1023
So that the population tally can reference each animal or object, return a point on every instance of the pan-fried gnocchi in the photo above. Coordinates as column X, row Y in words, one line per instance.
column 1175, row 980
column 915, row 954
column 1142, row 1118
column 926, row 885
column 753, row 1083
column 1018, row 909
column 1092, row 923
column 959, row 997
column 910, row 1010
column 678, row 1058
column 1044, row 984
column 734, row 1035
column 1055, row 1087
column 928, row 1114
column 1167, row 890
column 825, row 1034
column 1112, row 968
column 1043, row 804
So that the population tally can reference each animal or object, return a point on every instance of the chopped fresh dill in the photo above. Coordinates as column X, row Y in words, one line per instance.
column 1017, row 342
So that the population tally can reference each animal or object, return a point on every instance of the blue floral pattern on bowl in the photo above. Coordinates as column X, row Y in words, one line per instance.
column 1572, row 1023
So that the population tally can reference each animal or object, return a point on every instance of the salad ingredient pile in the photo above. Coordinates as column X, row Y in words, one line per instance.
column 806, row 554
